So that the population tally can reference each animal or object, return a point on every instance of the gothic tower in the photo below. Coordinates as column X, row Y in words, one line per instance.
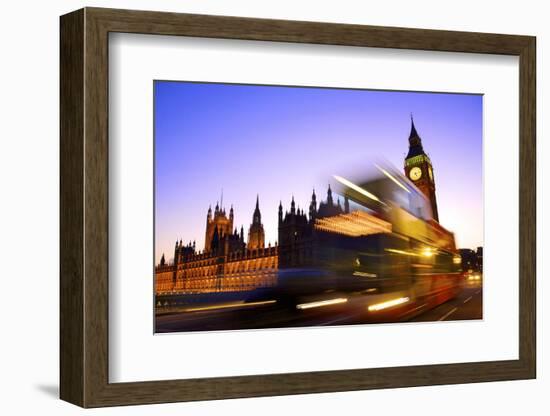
column 313, row 207
column 418, row 168
column 328, row 208
column 295, row 237
column 256, row 235
column 219, row 222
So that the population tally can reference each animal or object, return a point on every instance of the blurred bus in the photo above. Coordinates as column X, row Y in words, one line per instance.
column 387, row 254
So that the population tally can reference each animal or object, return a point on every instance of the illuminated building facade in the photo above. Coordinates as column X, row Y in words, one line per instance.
column 225, row 264
column 216, row 226
column 228, row 263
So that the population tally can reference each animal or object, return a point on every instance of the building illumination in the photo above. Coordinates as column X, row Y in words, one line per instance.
column 354, row 224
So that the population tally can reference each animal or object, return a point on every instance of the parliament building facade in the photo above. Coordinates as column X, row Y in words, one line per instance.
column 229, row 263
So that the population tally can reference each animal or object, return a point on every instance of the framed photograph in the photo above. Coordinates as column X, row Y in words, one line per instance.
column 255, row 207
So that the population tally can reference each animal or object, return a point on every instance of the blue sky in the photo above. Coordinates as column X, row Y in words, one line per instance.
column 281, row 141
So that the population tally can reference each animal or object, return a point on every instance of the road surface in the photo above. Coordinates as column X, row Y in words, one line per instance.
column 270, row 314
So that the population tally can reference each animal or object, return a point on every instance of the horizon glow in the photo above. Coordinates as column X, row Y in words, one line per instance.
column 278, row 142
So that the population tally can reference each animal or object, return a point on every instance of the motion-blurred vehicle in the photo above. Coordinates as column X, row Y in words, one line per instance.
column 387, row 255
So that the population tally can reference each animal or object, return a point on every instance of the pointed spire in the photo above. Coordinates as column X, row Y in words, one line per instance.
column 329, row 196
column 415, row 142
column 257, row 216
column 292, row 206
column 413, row 135
column 313, row 206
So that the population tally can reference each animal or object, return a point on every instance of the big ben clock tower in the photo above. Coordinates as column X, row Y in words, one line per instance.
column 418, row 168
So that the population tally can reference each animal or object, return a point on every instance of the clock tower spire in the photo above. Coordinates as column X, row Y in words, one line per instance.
column 418, row 168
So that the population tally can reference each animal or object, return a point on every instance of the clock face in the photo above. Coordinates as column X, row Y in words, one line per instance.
column 415, row 173
column 431, row 173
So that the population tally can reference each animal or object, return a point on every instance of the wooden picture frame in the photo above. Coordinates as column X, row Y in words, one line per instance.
column 84, row 207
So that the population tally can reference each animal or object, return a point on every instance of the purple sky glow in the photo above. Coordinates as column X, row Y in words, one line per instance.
column 282, row 141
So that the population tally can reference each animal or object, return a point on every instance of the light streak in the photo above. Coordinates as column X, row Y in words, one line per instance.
column 389, row 175
column 395, row 251
column 321, row 303
column 229, row 305
column 423, row 266
column 387, row 304
column 357, row 188
column 363, row 274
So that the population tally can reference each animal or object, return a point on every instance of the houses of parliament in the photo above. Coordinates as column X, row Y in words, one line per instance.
column 229, row 262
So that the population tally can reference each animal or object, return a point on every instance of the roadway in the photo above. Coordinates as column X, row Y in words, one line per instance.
column 270, row 314
column 467, row 305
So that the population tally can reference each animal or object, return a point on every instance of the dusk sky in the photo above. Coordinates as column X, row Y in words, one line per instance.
column 282, row 141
